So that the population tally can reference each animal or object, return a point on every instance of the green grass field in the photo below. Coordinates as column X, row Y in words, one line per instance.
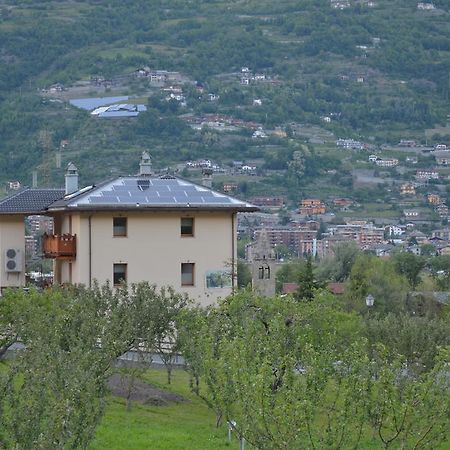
column 188, row 425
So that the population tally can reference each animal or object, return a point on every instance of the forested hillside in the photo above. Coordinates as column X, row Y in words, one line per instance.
column 378, row 70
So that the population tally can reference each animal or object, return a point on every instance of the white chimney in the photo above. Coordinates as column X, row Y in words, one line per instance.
column 71, row 179
column 145, row 166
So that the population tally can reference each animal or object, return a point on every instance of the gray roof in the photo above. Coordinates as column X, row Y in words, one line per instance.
column 30, row 201
column 143, row 192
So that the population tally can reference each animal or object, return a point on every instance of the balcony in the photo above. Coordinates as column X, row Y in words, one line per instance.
column 60, row 246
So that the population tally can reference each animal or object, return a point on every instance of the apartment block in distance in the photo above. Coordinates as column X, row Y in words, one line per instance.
column 312, row 207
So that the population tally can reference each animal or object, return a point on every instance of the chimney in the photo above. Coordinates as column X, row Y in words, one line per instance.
column 145, row 166
column 71, row 179
column 207, row 177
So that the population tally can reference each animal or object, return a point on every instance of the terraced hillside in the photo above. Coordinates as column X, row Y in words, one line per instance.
column 374, row 70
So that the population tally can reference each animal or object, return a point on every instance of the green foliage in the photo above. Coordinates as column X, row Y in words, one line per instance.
column 418, row 339
column 289, row 273
column 307, row 283
column 312, row 53
column 440, row 270
column 244, row 275
column 54, row 391
column 410, row 266
column 372, row 275
column 295, row 374
column 339, row 266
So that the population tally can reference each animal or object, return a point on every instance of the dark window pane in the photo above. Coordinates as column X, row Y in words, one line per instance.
column 187, row 226
column 187, row 274
column 119, row 226
column 119, row 273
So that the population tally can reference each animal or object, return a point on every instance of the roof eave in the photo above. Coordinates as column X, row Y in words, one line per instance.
column 232, row 208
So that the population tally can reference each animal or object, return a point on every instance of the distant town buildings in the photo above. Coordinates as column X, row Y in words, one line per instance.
column 407, row 189
column 312, row 207
column 427, row 174
column 350, row 144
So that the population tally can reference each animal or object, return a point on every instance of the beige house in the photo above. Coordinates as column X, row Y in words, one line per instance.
column 164, row 230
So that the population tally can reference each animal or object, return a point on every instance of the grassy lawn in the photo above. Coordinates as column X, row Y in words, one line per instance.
column 188, row 425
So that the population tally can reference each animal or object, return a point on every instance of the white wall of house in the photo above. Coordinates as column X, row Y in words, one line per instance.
column 153, row 249
column 12, row 236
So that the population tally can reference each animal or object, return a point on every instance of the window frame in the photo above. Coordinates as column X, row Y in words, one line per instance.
column 192, row 282
column 192, row 227
column 115, row 227
column 121, row 280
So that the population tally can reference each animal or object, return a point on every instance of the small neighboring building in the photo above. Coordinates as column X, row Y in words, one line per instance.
column 442, row 157
column 350, row 144
column 412, row 159
column 119, row 111
column 14, row 185
column 395, row 230
column 442, row 233
column 312, row 207
column 427, row 174
column 386, row 162
column 229, row 187
column 407, row 189
column 213, row 97
column 434, row 199
column 411, row 213
column 425, row 6
column 407, row 143
column 269, row 202
column 442, row 210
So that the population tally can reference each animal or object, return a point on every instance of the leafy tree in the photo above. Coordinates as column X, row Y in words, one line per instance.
column 417, row 338
column 440, row 270
column 375, row 276
column 339, row 266
column 405, row 410
column 164, row 307
column 244, row 276
column 289, row 273
column 302, row 364
column 410, row 266
column 307, row 283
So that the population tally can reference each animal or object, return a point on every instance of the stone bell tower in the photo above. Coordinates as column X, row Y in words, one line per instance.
column 263, row 266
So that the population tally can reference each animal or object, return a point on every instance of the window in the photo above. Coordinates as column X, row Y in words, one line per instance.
column 119, row 274
column 218, row 279
column 264, row 272
column 187, row 226
column 187, row 274
column 119, row 226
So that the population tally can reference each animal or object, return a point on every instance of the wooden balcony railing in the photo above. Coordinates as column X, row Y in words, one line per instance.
column 60, row 246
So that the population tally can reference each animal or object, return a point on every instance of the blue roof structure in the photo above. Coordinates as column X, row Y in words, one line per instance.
column 91, row 103
column 143, row 192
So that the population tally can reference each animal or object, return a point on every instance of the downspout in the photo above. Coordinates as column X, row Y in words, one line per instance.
column 90, row 250
column 233, row 260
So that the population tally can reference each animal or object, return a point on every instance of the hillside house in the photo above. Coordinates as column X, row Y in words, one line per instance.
column 164, row 230
column 407, row 189
column 311, row 207
column 434, row 199
column 386, row 162
column 427, row 174
column 442, row 157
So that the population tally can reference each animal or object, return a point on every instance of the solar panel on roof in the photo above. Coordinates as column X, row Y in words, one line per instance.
column 143, row 184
